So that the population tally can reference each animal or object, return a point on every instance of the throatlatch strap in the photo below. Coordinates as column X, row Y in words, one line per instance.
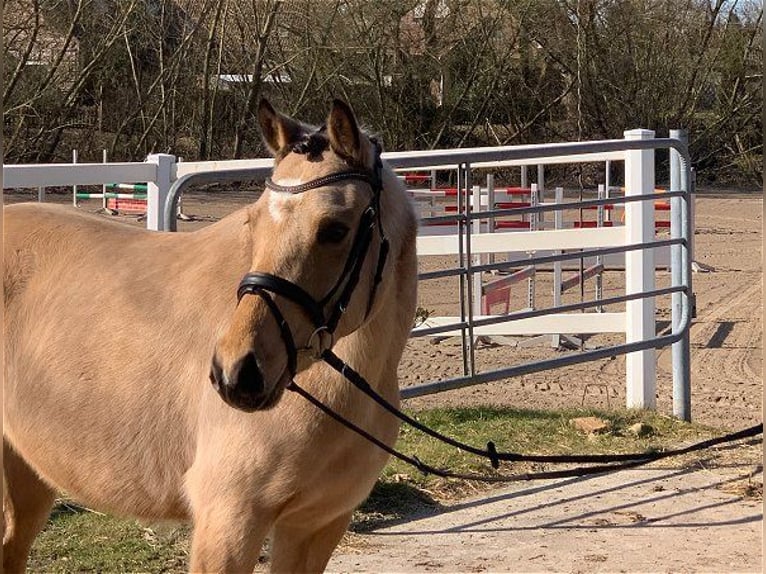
column 358, row 249
column 382, row 256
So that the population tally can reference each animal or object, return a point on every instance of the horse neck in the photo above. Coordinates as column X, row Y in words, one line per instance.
column 374, row 349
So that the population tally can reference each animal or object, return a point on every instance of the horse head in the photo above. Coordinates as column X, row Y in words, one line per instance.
column 318, row 254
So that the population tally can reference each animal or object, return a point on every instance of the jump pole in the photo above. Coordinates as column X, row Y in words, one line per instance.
column 491, row 207
column 474, row 227
column 607, row 183
column 534, row 200
column 541, row 192
column 558, row 223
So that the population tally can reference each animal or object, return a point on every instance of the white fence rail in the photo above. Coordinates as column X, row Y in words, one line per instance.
column 165, row 177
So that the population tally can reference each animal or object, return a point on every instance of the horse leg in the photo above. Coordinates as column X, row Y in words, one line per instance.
column 227, row 537
column 26, row 506
column 297, row 548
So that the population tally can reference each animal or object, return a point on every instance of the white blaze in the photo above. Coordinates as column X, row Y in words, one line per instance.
column 279, row 200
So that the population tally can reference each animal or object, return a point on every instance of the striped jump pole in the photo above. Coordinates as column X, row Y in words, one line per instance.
column 133, row 194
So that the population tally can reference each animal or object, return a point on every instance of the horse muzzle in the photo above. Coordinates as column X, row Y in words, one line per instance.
column 243, row 387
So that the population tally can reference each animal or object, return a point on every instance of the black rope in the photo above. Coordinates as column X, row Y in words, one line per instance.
column 545, row 475
column 491, row 452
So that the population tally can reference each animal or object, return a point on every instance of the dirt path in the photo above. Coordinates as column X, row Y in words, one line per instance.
column 651, row 520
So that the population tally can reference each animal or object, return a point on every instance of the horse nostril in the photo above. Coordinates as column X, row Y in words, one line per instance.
column 247, row 375
column 216, row 373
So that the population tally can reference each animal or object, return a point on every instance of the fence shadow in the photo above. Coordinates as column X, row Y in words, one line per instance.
column 617, row 500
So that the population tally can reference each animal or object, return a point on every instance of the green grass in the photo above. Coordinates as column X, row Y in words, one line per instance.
column 530, row 431
column 76, row 540
column 403, row 490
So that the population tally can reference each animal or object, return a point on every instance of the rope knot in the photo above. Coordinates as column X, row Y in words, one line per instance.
column 492, row 454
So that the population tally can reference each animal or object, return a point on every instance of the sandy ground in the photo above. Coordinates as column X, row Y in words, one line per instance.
column 695, row 519
column 726, row 336
column 650, row 520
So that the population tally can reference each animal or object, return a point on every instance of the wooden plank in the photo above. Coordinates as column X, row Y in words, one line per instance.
column 66, row 174
column 570, row 282
column 557, row 323
column 530, row 241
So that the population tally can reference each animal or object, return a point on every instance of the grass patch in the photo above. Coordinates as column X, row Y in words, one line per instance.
column 80, row 541
column 77, row 540
column 532, row 431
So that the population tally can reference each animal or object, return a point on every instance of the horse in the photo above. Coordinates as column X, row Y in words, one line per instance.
column 146, row 372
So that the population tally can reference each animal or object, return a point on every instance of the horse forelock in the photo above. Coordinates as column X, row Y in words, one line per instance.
column 312, row 145
column 315, row 142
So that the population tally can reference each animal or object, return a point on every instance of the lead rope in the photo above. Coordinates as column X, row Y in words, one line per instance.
column 619, row 462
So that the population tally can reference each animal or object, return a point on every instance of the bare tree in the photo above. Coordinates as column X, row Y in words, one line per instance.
column 184, row 76
column 264, row 18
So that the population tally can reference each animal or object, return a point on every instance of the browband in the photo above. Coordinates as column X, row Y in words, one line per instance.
column 319, row 182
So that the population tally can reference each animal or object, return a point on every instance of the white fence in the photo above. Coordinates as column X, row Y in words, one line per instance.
column 165, row 176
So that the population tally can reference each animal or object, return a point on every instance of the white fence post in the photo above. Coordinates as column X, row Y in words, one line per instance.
column 474, row 227
column 640, row 366
column 157, row 191
column 104, row 200
column 74, row 187
column 558, row 223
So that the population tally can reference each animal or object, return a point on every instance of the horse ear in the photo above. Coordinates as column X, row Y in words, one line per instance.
column 345, row 138
column 278, row 130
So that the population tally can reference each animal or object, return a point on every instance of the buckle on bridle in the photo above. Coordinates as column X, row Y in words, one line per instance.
column 318, row 333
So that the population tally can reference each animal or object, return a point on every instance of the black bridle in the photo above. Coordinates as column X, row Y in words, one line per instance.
column 338, row 298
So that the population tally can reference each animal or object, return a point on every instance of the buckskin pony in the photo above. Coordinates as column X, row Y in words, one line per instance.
column 121, row 343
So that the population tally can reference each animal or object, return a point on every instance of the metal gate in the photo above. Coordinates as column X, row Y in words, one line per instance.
column 635, row 240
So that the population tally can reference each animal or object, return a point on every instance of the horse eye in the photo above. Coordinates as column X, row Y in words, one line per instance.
column 333, row 232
